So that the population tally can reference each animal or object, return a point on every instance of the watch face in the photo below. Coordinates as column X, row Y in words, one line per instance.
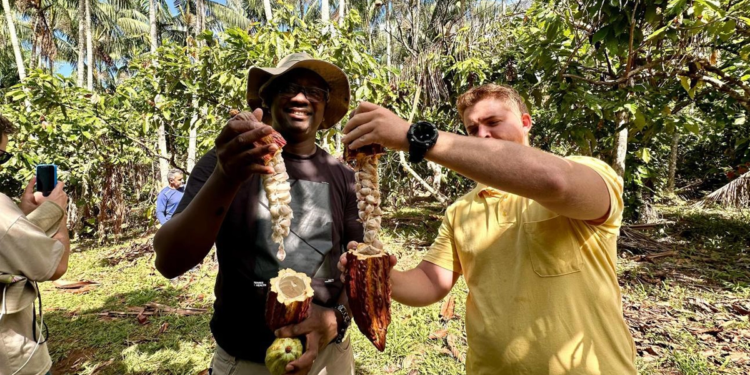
column 425, row 132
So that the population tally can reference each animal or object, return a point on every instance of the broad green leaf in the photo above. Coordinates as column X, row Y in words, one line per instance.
column 714, row 5
column 599, row 35
column 693, row 128
column 644, row 154
column 639, row 120
column 656, row 33
column 685, row 82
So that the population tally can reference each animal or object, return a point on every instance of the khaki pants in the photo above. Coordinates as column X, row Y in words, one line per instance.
column 335, row 359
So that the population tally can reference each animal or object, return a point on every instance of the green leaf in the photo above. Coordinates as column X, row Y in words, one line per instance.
column 639, row 120
column 600, row 35
column 692, row 127
column 713, row 5
column 685, row 82
column 657, row 33
column 644, row 154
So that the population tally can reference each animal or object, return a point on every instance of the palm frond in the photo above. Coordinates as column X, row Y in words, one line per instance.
column 733, row 194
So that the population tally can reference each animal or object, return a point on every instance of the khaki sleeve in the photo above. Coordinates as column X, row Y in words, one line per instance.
column 28, row 251
column 613, row 221
column 443, row 251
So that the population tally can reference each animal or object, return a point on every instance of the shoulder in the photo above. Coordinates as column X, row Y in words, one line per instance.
column 593, row 163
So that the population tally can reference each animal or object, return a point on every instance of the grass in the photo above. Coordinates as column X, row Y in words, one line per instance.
column 679, row 308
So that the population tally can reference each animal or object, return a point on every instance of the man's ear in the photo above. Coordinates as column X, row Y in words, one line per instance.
column 527, row 124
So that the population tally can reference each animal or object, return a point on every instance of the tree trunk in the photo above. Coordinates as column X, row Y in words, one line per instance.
column 89, row 48
column 388, row 43
column 416, row 26
column 621, row 144
column 81, row 42
column 14, row 39
column 163, row 163
column 153, row 28
column 192, row 140
column 325, row 11
column 193, row 133
column 342, row 11
column 161, row 132
column 267, row 7
column 673, row 161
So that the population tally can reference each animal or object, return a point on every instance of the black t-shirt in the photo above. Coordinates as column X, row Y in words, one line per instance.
column 325, row 220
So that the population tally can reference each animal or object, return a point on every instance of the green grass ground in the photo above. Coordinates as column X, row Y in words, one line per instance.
column 686, row 312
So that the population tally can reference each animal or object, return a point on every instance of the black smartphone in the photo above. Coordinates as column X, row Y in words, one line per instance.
column 46, row 178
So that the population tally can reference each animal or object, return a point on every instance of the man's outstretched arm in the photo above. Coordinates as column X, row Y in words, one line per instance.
column 563, row 186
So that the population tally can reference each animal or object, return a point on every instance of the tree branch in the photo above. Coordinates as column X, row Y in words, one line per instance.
column 707, row 66
column 630, row 47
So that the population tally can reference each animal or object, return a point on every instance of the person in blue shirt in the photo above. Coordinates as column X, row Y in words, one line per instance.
column 170, row 196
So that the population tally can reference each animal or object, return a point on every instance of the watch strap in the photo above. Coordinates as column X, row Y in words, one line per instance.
column 343, row 326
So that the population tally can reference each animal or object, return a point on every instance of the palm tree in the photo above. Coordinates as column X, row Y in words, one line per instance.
column 81, row 41
column 14, row 39
column 267, row 7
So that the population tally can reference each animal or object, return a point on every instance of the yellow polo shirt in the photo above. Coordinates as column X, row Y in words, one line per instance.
column 543, row 292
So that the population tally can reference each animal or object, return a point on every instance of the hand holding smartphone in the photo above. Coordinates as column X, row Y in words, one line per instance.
column 46, row 178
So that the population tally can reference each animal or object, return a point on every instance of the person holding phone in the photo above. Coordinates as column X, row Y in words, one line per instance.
column 34, row 247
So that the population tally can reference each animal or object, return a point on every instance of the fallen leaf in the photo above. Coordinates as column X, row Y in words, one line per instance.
column 408, row 361
column 653, row 350
column 163, row 327
column 390, row 369
column 438, row 334
column 102, row 366
column 142, row 319
column 452, row 345
column 739, row 357
column 413, row 372
column 446, row 311
column 445, row 351
column 204, row 372
column 740, row 309
column 713, row 331
column 65, row 284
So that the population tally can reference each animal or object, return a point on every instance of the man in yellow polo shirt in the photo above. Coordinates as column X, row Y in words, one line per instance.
column 536, row 241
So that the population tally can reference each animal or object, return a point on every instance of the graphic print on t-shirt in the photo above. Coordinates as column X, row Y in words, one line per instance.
column 310, row 238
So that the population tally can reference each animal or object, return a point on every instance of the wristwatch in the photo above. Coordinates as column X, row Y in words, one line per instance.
column 422, row 136
column 343, row 324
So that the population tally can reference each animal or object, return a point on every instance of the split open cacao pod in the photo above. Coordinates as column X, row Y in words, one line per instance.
column 289, row 299
column 369, row 290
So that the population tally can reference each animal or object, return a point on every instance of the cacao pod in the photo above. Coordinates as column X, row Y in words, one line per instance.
column 369, row 290
column 280, row 353
column 274, row 137
column 373, row 149
column 289, row 299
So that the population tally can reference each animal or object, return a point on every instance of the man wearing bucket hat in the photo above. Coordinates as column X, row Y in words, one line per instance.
column 225, row 202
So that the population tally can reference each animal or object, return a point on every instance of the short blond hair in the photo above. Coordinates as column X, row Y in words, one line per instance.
column 490, row 91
